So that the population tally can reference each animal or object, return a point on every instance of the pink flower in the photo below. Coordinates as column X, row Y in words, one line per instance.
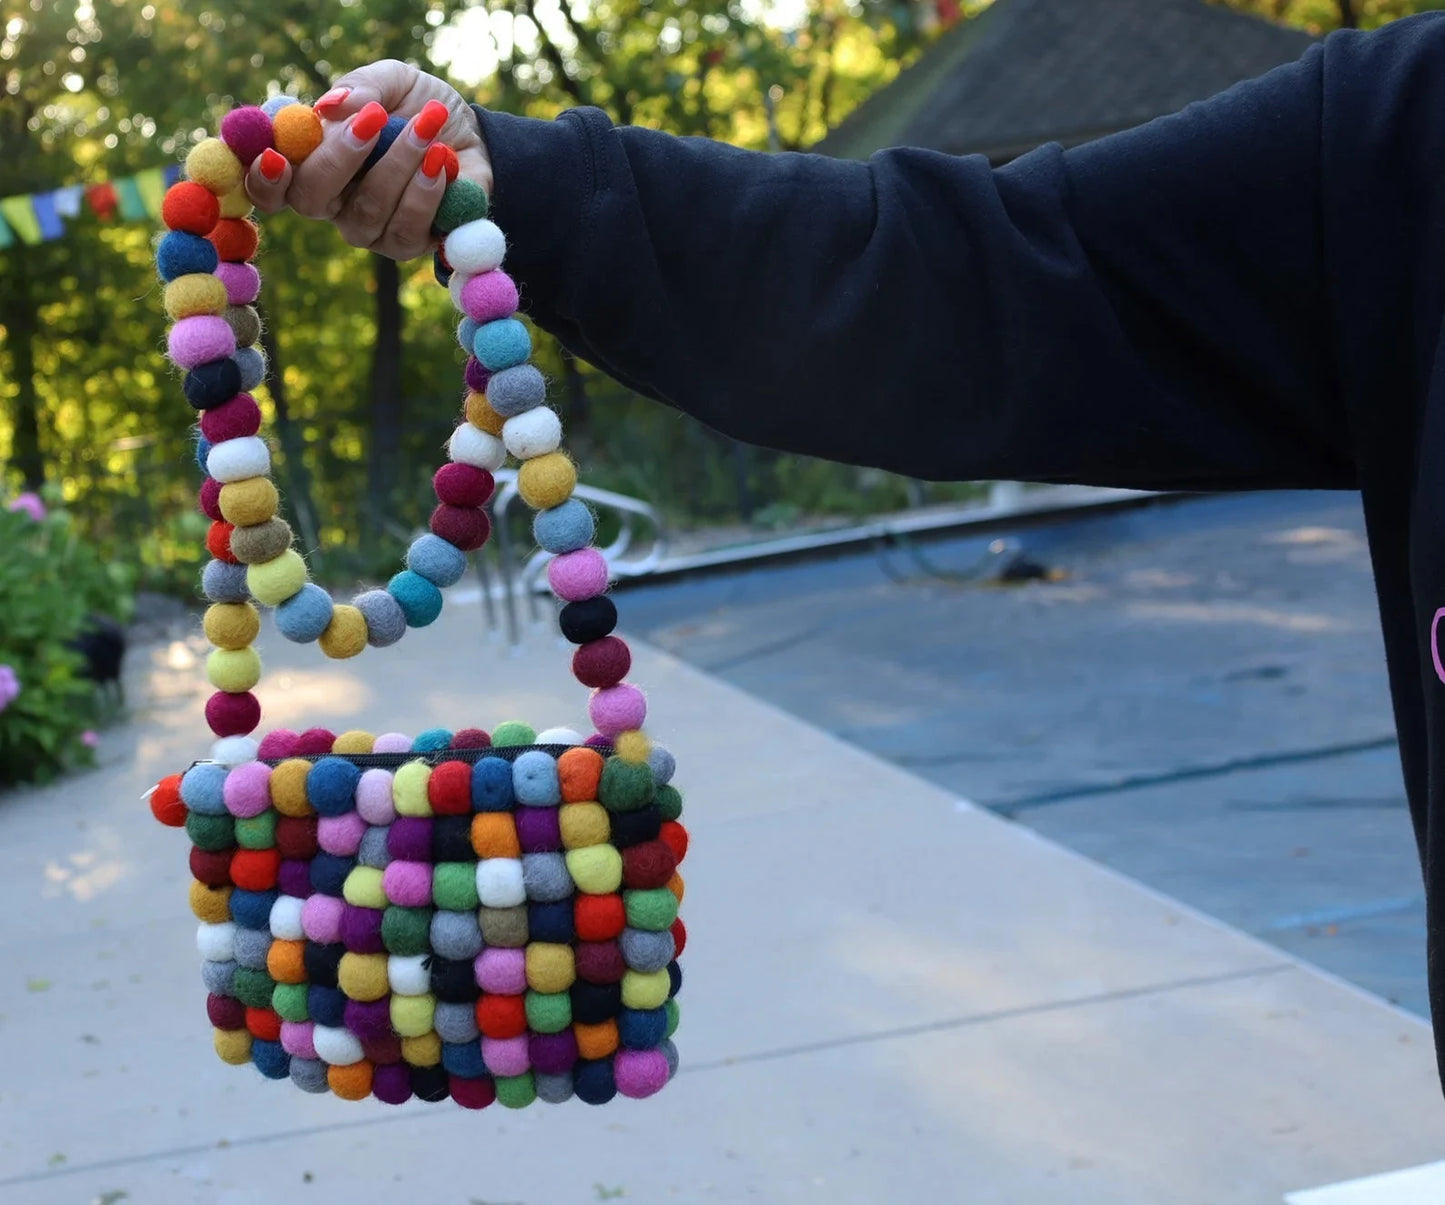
column 89, row 739
column 30, row 504
column 9, row 686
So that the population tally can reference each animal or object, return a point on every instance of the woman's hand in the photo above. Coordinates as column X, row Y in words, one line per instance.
column 390, row 209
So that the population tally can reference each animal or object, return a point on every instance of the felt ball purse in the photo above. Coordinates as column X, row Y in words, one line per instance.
column 480, row 916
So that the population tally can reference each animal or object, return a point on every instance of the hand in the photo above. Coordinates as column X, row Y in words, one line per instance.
column 390, row 209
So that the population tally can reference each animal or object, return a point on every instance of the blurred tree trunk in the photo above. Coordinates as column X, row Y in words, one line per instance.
column 1348, row 17
column 386, row 420
column 297, row 482
column 18, row 317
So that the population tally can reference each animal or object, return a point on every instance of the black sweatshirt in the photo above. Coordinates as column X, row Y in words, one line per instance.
column 1246, row 295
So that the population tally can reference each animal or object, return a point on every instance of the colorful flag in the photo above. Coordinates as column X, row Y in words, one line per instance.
column 152, row 187
column 45, row 216
column 132, row 204
column 67, row 201
column 6, row 238
column 102, row 200
column 20, row 213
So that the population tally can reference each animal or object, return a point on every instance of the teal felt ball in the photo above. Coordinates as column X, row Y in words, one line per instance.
column 420, row 601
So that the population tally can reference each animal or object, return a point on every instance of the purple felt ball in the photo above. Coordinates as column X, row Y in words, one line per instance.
column 407, row 884
column 477, row 375
column 619, row 708
column 374, row 802
column 369, row 1020
column 248, row 132
column 489, row 296
column 575, row 576
column 409, row 839
column 506, row 1056
column 391, row 1083
column 341, row 834
column 553, row 1053
column 321, row 919
column 247, row 790
column 640, row 1073
column 502, row 971
column 242, row 281
column 277, row 744
column 294, row 878
column 298, row 1038
column 361, row 930
column 200, row 339
column 539, row 830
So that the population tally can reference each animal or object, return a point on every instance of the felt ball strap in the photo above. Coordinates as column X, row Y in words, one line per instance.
column 211, row 287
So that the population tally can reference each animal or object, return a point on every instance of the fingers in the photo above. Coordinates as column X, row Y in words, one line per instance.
column 408, row 231
column 317, row 185
column 386, row 83
column 268, row 180
column 371, row 210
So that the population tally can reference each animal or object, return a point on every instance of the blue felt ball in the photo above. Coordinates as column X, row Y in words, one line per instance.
column 203, row 790
column 271, row 1060
column 647, row 951
column 385, row 620
column 439, row 561
column 395, row 124
column 304, row 616
column 180, row 254
column 309, row 1075
column 326, row 1005
column 594, row 1082
column 564, row 528
column 203, row 450
column 464, row 1059
column 674, row 978
column 329, row 871
column 504, row 343
column 516, row 390
column 252, row 909
column 467, row 330
column 219, row 977
column 433, row 740
column 252, row 365
column 492, row 785
column 551, row 922
column 420, row 601
column 534, row 779
column 277, row 103
column 212, row 384
column 641, row 1028
column 331, row 786
column 224, row 582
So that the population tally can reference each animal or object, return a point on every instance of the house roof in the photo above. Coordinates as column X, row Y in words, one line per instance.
column 1026, row 72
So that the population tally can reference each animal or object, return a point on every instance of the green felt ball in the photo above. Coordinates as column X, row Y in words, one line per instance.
column 548, row 1012
column 669, row 802
column 626, row 785
column 464, row 201
column 516, row 1091
column 257, row 832
column 654, row 910
column 211, row 833
column 513, row 732
column 673, row 1016
column 253, row 988
column 454, row 886
column 407, row 931
column 289, row 1001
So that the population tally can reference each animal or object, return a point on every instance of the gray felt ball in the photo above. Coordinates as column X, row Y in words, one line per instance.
column 514, row 391
column 663, row 764
column 669, row 1052
column 385, row 620
column 545, row 877
column 373, row 851
column 309, row 1074
column 219, row 977
column 456, row 935
column 252, row 365
column 646, row 951
column 554, row 1089
column 224, row 582
column 455, row 1022
column 252, row 946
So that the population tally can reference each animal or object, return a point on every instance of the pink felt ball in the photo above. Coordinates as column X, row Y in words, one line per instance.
column 321, row 919
column 200, row 339
column 236, row 419
column 242, row 281
column 247, row 790
column 489, row 296
column 299, row 1038
column 248, row 132
column 506, row 1056
column 579, row 575
column 392, row 742
column 502, row 971
column 640, row 1073
column 374, row 802
column 341, row 835
column 407, row 884
column 276, row 745
column 619, row 708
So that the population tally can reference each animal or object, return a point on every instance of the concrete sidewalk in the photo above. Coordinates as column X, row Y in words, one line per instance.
column 891, row 995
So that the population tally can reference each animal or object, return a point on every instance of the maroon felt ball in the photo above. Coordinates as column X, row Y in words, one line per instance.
column 314, row 741
column 213, row 868
column 679, row 937
column 648, row 865
column 472, row 738
column 277, row 745
column 602, row 662
column 463, row 485
column 600, row 961
column 191, row 207
column 225, row 1012
column 233, row 714
column 209, row 498
column 248, row 132
column 477, row 375
column 382, row 1051
column 473, row 1093
column 464, row 527
column 235, row 419
column 296, row 836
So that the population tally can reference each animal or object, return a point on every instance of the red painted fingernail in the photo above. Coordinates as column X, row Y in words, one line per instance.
column 452, row 164
column 430, row 120
column 331, row 100
column 367, row 124
column 436, row 159
column 273, row 163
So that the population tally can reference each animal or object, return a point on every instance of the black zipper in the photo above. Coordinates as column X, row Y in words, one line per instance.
column 434, row 757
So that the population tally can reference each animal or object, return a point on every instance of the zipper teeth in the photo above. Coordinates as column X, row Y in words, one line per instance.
column 392, row 761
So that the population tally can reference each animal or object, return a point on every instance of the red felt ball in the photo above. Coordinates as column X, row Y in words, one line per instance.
column 264, row 1023
column 473, row 1093
column 450, row 789
column 225, row 1012
column 209, row 498
column 675, row 836
column 600, row 961
column 314, row 742
column 236, row 239
column 211, row 867
column 296, row 837
column 648, row 865
column 463, row 485
column 248, row 132
column 255, row 869
column 465, row 527
column 679, row 937
column 218, row 541
column 233, row 714
column 191, row 207
column 502, row 1016
column 472, row 738
column 602, row 662
column 599, row 917
column 166, row 805
column 235, row 419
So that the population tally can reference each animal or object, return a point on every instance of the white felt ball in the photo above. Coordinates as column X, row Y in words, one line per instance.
column 476, row 247
column 337, row 1046
column 234, row 750
column 238, row 459
column 532, row 433
column 499, row 882
column 559, row 736
column 472, row 445
column 409, row 975
column 454, row 287
column 286, row 918
column 217, row 943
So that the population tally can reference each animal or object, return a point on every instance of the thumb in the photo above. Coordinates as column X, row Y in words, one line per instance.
column 386, row 82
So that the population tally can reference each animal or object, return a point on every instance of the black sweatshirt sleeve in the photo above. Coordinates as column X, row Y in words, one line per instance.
column 1149, row 310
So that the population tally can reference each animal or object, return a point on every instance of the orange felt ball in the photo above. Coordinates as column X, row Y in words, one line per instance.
column 286, row 962
column 494, row 835
column 596, row 1041
column 166, row 805
column 350, row 1083
column 191, row 207
column 218, row 542
column 579, row 770
column 236, row 239
column 297, row 131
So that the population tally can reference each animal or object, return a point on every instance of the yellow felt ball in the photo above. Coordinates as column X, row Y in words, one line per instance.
column 363, row 976
column 632, row 746
column 233, row 670
column 645, row 989
column 354, row 741
column 215, row 165
column 211, row 904
column 297, row 131
column 409, row 789
column 546, row 481
column 597, row 869
column 425, row 1051
column 363, row 888
column 233, row 1045
column 232, row 625
column 584, row 824
column 249, row 502
column 550, row 967
column 345, row 635
column 288, row 787
column 236, row 204
column 273, row 582
column 195, row 293
column 480, row 414
column 412, row 1016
